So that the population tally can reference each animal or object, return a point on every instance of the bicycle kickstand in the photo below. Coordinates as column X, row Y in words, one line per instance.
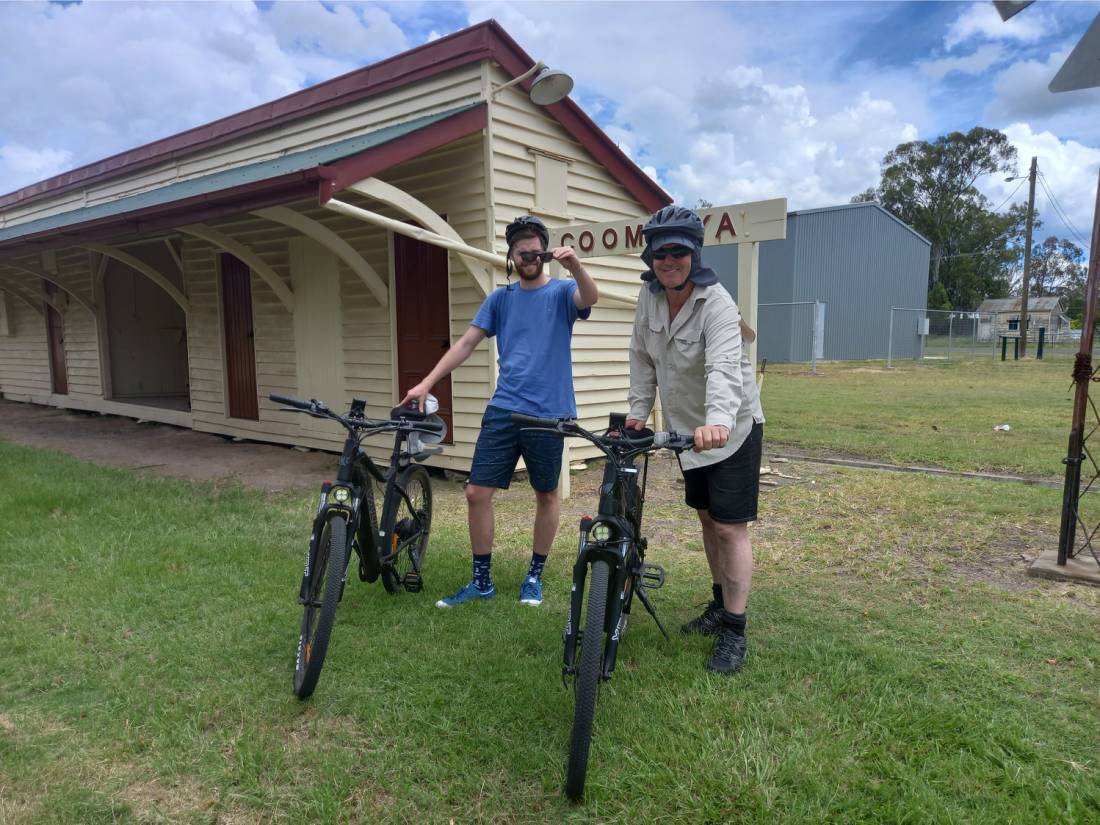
column 651, row 610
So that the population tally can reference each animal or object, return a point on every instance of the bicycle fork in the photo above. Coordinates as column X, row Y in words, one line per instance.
column 619, row 595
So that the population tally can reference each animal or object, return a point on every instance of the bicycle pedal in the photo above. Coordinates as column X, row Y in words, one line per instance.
column 413, row 582
column 652, row 576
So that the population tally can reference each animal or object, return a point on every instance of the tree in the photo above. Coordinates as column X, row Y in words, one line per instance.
column 930, row 185
column 1056, row 267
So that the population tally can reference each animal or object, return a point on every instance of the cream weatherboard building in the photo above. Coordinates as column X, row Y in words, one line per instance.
column 185, row 280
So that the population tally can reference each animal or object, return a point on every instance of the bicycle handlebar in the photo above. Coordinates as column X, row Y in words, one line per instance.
column 644, row 440
column 291, row 402
column 319, row 409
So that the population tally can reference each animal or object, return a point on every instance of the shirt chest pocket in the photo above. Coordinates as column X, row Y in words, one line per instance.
column 683, row 352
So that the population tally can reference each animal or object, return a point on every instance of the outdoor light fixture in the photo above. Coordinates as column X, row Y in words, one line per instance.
column 549, row 85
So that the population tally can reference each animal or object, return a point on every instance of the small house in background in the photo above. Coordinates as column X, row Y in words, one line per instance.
column 185, row 280
column 1001, row 316
column 838, row 273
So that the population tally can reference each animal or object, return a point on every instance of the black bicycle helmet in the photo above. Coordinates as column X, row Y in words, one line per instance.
column 527, row 223
column 674, row 220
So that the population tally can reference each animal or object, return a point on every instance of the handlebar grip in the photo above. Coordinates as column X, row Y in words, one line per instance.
column 431, row 426
column 533, row 421
column 290, row 402
column 673, row 441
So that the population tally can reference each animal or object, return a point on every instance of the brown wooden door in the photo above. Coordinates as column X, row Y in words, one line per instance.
column 55, row 334
column 240, row 351
column 423, row 318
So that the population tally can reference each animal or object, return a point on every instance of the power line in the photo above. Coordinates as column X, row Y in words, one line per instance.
column 1014, row 191
column 1060, row 211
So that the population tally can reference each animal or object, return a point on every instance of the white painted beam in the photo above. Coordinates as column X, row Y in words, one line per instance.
column 405, row 203
column 145, row 269
column 16, row 294
column 88, row 305
column 254, row 261
column 334, row 243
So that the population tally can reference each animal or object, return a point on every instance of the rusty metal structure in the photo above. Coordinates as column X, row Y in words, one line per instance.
column 1083, row 438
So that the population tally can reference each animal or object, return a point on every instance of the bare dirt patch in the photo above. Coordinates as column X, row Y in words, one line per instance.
column 161, row 449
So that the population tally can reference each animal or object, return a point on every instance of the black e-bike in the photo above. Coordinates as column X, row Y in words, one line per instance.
column 611, row 562
column 347, row 520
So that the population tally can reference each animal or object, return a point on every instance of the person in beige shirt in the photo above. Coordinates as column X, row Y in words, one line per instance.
column 687, row 343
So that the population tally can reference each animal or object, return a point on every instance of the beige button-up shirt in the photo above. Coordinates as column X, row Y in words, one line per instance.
column 697, row 361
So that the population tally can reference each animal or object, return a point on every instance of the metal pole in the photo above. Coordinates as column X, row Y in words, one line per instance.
column 890, row 341
column 1027, row 256
column 950, row 324
column 1082, row 373
column 813, row 341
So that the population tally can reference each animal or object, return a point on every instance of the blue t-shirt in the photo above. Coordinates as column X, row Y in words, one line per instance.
column 533, row 328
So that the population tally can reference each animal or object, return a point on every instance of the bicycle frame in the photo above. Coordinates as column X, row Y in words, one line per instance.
column 356, row 473
column 620, row 511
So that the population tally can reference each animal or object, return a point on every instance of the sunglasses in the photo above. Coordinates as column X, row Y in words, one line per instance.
column 675, row 251
column 531, row 257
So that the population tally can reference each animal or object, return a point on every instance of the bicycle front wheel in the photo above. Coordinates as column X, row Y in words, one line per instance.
column 406, row 526
column 326, row 580
column 587, row 685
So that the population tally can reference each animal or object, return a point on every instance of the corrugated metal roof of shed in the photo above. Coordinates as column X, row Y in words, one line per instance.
column 877, row 206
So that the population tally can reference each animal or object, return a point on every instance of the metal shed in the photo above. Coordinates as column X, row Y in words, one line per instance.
column 858, row 260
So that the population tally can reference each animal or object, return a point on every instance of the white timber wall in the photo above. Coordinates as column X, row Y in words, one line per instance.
column 530, row 153
column 24, row 356
column 451, row 182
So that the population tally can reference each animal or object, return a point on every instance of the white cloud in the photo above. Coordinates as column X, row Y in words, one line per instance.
column 974, row 63
column 95, row 79
column 1021, row 93
column 715, row 125
column 1070, row 171
column 981, row 21
column 25, row 163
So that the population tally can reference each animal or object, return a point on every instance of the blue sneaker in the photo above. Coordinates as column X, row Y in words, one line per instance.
column 467, row 593
column 530, row 592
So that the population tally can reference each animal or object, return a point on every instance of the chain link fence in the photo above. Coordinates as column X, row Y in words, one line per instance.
column 944, row 335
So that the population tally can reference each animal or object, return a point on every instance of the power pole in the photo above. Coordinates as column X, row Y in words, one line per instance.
column 1027, row 256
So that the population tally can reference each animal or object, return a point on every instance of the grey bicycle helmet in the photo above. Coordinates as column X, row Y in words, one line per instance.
column 527, row 223
column 674, row 224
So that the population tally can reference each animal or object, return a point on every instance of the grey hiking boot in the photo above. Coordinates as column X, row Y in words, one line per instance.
column 707, row 623
column 730, row 650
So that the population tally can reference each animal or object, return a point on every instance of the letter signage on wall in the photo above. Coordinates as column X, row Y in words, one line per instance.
column 738, row 223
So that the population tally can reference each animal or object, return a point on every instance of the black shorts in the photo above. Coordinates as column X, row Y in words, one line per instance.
column 729, row 490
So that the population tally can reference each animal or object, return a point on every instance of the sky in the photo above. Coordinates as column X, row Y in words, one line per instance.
column 729, row 102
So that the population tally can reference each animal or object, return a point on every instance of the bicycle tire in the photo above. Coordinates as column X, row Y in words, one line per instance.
column 406, row 532
column 326, row 581
column 587, row 685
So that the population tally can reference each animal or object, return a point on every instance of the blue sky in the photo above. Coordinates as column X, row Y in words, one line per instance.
column 725, row 101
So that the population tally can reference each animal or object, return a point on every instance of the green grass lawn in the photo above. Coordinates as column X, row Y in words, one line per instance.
column 901, row 668
column 937, row 413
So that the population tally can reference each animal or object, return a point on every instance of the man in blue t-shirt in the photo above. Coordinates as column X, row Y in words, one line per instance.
column 533, row 323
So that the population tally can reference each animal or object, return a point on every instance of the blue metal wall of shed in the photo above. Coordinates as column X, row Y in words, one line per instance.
column 859, row 260
column 776, row 285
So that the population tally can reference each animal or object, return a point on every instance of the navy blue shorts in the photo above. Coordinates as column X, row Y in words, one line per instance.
column 500, row 445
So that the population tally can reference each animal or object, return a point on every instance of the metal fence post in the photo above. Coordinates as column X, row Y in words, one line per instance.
column 950, row 323
column 890, row 342
column 813, row 342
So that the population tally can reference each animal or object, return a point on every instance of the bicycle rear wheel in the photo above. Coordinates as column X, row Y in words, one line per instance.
column 587, row 685
column 326, row 580
column 407, row 529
